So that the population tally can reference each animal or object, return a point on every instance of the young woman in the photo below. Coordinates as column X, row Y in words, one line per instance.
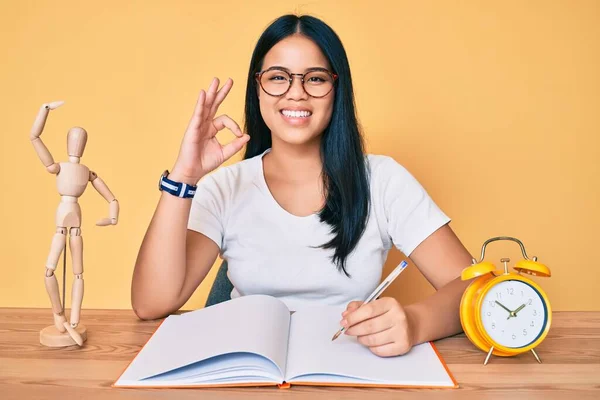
column 307, row 216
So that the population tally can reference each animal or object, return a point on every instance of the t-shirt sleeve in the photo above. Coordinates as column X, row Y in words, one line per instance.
column 411, row 213
column 207, row 209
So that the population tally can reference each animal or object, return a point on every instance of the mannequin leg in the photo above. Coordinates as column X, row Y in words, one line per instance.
column 76, row 247
column 56, row 248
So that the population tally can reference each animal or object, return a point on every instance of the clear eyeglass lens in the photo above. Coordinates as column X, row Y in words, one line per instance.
column 316, row 83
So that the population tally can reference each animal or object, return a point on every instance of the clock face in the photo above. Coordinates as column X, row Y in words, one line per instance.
column 513, row 313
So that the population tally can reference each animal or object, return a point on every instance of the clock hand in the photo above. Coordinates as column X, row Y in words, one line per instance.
column 510, row 313
column 502, row 305
column 518, row 309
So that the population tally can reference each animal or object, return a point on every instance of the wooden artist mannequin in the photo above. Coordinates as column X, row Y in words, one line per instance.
column 71, row 178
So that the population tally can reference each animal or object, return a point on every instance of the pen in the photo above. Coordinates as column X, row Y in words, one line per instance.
column 382, row 286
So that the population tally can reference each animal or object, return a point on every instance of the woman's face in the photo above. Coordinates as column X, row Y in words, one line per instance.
column 296, row 54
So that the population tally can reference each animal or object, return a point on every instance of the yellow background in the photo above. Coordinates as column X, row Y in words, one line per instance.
column 493, row 106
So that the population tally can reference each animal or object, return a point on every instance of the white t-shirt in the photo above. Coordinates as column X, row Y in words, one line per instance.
column 270, row 251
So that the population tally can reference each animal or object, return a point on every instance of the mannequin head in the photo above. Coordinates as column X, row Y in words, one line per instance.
column 76, row 140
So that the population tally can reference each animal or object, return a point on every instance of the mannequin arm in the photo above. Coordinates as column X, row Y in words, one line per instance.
column 113, row 204
column 39, row 146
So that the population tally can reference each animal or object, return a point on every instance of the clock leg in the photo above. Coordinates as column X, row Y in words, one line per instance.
column 536, row 356
column 489, row 355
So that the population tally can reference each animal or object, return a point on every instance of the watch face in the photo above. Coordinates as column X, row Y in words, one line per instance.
column 513, row 313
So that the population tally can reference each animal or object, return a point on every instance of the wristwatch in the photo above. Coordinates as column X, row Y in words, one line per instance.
column 178, row 189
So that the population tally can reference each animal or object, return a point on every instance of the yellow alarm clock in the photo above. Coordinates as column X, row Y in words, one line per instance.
column 505, row 314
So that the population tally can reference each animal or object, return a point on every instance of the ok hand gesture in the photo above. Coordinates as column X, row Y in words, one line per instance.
column 200, row 151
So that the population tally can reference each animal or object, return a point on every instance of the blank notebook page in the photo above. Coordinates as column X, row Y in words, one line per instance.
column 311, row 352
column 259, row 324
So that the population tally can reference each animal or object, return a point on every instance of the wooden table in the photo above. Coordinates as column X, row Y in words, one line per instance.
column 570, row 369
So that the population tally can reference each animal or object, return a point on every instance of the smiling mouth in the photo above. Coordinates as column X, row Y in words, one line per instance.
column 295, row 114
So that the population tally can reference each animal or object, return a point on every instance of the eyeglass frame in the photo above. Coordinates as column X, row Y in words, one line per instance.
column 259, row 75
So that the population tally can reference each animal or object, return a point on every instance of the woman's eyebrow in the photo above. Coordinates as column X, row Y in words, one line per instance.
column 288, row 70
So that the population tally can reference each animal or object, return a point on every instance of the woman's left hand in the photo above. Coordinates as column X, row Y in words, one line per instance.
column 382, row 325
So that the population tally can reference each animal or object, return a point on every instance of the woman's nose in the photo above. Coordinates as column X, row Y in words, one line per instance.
column 297, row 89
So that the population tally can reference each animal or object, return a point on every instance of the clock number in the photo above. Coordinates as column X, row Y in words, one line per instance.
column 524, row 332
column 510, row 291
column 514, row 336
column 493, row 325
column 489, row 314
column 530, row 301
column 522, row 294
column 492, row 303
column 499, row 295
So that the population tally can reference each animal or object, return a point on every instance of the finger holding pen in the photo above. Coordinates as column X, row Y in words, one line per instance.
column 380, row 324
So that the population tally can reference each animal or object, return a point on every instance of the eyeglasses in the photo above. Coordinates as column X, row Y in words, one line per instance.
column 317, row 82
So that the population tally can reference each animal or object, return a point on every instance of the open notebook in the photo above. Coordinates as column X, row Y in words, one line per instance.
column 254, row 341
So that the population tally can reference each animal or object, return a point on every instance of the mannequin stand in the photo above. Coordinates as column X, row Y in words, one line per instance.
column 50, row 336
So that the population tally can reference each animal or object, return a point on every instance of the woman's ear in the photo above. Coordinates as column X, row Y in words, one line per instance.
column 257, row 85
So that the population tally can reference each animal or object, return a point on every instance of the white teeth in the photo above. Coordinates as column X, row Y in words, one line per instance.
column 296, row 114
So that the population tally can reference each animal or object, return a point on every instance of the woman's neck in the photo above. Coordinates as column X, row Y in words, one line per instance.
column 294, row 163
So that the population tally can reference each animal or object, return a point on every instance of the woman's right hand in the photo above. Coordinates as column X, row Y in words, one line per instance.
column 200, row 151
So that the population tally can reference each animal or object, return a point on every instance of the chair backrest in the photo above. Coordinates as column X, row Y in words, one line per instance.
column 221, row 288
